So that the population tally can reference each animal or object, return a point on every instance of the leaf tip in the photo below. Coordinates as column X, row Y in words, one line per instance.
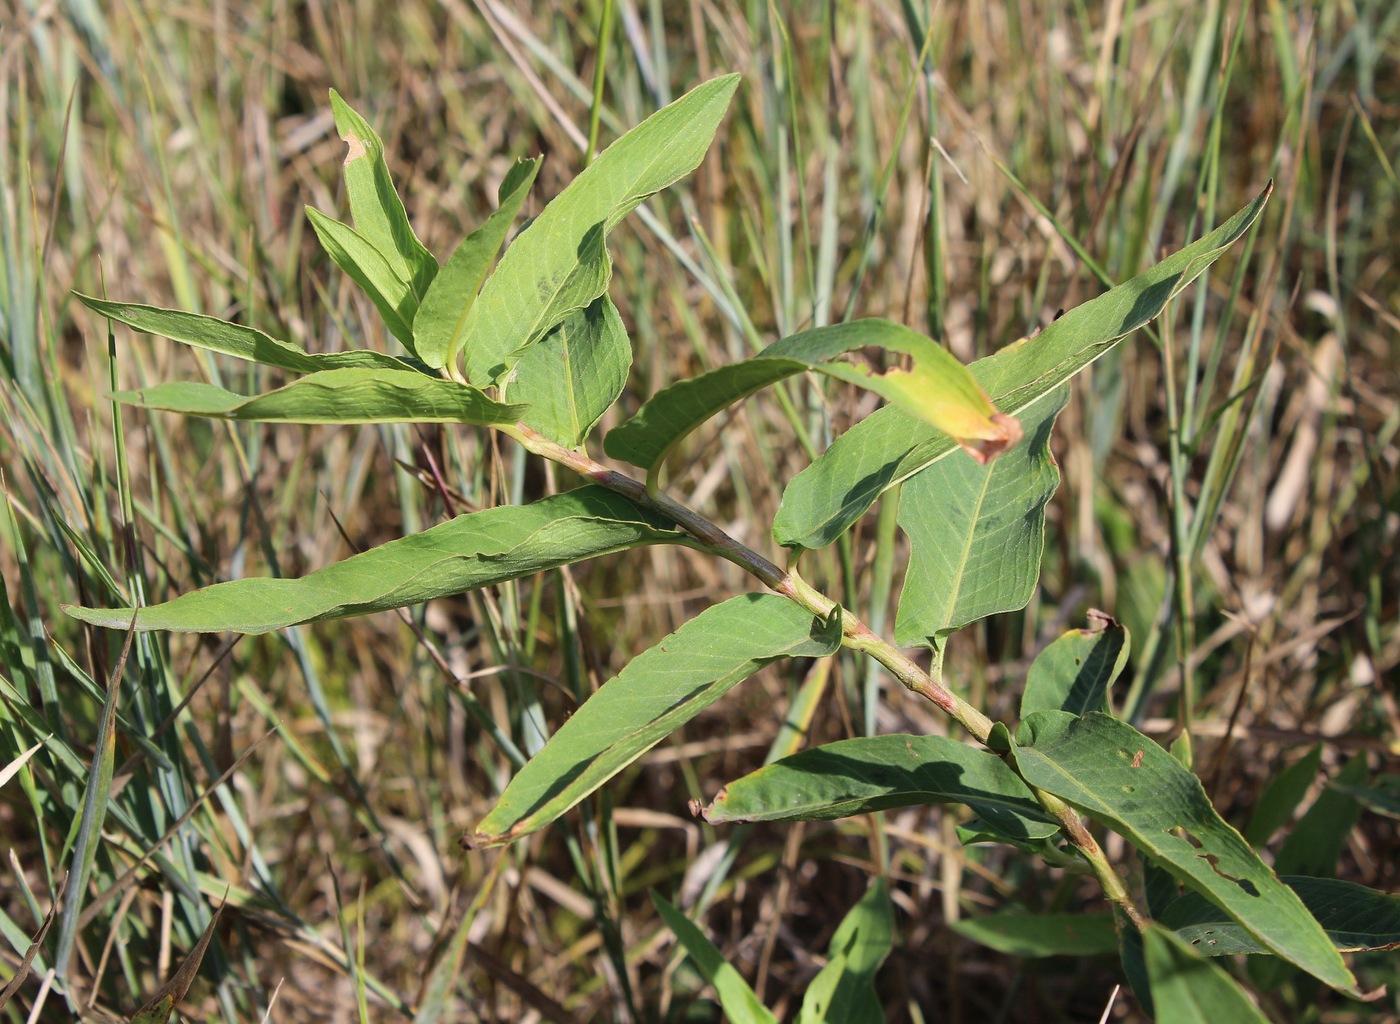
column 1002, row 434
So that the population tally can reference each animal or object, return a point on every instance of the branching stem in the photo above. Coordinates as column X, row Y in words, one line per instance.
column 856, row 635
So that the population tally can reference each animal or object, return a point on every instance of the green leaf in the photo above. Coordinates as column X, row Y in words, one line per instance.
column 1042, row 934
column 235, row 340
column 574, row 374
column 878, row 773
column 738, row 1001
column 440, row 322
column 350, row 395
column 1282, row 797
column 659, row 690
column 976, row 533
column 391, row 293
column 1110, row 771
column 541, row 262
column 828, row 496
column 1315, row 845
column 375, row 204
column 1381, row 797
column 169, row 996
column 1074, row 673
column 1354, row 917
column 937, row 389
column 470, row 551
column 1189, row 990
column 844, row 990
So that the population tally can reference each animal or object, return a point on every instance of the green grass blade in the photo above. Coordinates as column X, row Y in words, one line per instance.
column 94, row 812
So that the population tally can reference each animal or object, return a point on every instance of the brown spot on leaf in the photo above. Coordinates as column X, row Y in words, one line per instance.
column 1137, row 760
column 357, row 147
column 985, row 449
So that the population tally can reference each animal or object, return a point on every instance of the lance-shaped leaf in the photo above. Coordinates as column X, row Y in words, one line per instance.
column 235, row 340
column 350, row 395
column 1354, row 917
column 1075, row 672
column 470, row 551
column 524, row 299
column 391, row 293
column 570, row 378
column 442, row 315
column 659, row 690
column 937, row 389
column 1189, row 990
column 736, row 998
column 1041, row 934
column 976, row 533
column 878, row 773
column 1117, row 776
column 844, row 990
column 828, row 496
column 375, row 204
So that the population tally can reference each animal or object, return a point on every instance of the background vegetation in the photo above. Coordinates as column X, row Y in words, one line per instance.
column 1229, row 483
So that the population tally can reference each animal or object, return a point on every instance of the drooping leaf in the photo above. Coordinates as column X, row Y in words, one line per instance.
column 937, row 389
column 391, row 293
column 1042, row 934
column 658, row 691
column 349, row 395
column 844, row 990
column 877, row 773
column 889, row 446
column 1189, row 990
column 540, row 263
column 976, row 533
column 1074, row 672
column 470, row 551
column 574, row 374
column 163, row 1003
column 1284, row 793
column 1354, row 917
column 1110, row 771
column 442, row 315
column 736, row 998
column 235, row 340
column 374, row 202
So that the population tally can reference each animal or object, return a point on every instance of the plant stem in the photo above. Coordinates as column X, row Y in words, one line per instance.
column 856, row 635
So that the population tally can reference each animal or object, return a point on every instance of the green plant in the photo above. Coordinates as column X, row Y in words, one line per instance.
column 537, row 352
